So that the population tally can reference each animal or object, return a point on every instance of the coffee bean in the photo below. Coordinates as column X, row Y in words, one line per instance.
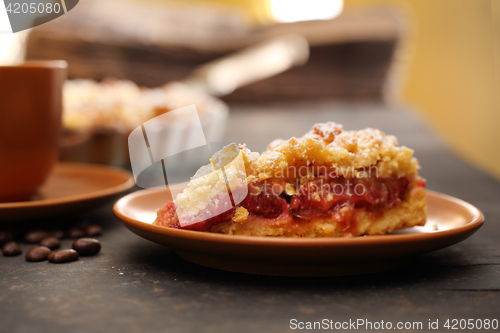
column 51, row 242
column 11, row 249
column 63, row 256
column 5, row 236
column 39, row 253
column 87, row 246
column 93, row 230
column 35, row 236
column 75, row 232
column 57, row 233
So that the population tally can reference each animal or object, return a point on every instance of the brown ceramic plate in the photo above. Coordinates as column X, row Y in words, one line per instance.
column 450, row 220
column 71, row 187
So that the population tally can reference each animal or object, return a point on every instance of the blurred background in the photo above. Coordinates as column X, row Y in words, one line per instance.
column 442, row 58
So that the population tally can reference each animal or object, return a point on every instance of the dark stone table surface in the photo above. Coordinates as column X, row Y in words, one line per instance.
column 134, row 285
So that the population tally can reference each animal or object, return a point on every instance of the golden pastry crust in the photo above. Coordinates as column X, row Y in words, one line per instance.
column 209, row 181
column 329, row 145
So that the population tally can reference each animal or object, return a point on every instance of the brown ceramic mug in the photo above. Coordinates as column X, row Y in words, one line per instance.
column 30, row 125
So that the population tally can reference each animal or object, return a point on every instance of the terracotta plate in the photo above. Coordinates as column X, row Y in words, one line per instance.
column 71, row 187
column 450, row 220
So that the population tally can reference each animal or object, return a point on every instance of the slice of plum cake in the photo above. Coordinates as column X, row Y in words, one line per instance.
column 328, row 183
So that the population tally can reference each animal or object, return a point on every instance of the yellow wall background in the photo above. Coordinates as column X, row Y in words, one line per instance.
column 453, row 76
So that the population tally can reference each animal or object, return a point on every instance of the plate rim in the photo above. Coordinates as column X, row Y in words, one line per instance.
column 472, row 226
column 126, row 185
